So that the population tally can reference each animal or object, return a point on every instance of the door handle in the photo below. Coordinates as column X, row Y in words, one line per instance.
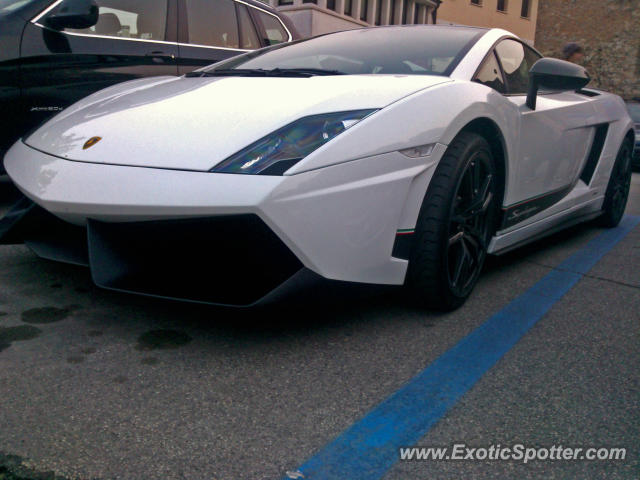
column 160, row 54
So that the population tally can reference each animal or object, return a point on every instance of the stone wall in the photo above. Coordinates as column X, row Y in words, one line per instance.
column 607, row 30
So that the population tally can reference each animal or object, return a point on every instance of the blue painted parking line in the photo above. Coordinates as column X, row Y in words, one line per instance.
column 369, row 448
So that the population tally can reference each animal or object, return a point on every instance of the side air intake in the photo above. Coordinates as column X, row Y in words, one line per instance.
column 595, row 153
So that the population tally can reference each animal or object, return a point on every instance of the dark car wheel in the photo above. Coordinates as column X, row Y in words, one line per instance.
column 454, row 226
column 615, row 200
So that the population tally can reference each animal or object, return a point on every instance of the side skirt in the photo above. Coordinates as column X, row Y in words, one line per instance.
column 569, row 222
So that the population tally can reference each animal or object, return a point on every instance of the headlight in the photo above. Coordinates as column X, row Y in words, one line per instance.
column 280, row 150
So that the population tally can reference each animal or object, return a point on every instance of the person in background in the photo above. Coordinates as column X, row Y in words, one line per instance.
column 572, row 52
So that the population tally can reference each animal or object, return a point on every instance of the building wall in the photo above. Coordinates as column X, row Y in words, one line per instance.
column 315, row 17
column 485, row 13
column 311, row 20
column 607, row 30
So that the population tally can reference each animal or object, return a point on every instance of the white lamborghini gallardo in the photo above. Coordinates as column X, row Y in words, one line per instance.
column 391, row 155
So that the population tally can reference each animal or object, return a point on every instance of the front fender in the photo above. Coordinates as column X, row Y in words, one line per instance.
column 433, row 115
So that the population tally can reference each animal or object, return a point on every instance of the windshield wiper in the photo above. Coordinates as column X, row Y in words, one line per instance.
column 260, row 72
column 229, row 72
column 306, row 71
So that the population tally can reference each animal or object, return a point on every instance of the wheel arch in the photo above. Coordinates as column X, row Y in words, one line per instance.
column 491, row 132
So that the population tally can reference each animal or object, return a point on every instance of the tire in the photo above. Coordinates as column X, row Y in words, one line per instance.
column 454, row 226
column 615, row 199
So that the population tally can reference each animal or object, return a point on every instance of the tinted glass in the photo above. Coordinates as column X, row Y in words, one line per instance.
column 144, row 19
column 10, row 5
column 634, row 111
column 274, row 30
column 248, row 35
column 213, row 23
column 516, row 60
column 490, row 75
column 395, row 50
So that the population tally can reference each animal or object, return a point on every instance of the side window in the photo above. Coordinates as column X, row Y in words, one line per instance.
column 490, row 74
column 275, row 32
column 213, row 23
column 516, row 60
column 248, row 36
column 144, row 19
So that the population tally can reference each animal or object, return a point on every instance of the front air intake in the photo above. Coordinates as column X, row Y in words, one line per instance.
column 233, row 260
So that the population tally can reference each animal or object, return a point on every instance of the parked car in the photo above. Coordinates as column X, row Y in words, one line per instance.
column 390, row 155
column 53, row 53
column 634, row 111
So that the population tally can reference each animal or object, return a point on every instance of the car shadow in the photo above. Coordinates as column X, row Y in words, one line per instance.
column 326, row 306
column 330, row 304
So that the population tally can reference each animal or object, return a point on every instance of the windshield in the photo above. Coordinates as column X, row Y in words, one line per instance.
column 634, row 111
column 424, row 50
column 11, row 5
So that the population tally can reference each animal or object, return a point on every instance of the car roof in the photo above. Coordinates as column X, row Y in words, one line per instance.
column 396, row 27
column 430, row 25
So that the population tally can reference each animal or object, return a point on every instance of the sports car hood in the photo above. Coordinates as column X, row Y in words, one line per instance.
column 195, row 123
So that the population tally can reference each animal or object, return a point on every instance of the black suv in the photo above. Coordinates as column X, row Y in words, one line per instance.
column 53, row 53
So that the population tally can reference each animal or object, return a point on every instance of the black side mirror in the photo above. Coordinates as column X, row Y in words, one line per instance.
column 78, row 14
column 554, row 74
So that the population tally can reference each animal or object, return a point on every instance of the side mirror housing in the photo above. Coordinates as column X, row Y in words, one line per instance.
column 555, row 74
column 78, row 14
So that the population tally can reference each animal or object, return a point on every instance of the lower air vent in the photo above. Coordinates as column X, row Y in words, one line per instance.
column 233, row 260
column 595, row 152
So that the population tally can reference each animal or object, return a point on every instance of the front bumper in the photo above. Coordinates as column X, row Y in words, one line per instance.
column 339, row 222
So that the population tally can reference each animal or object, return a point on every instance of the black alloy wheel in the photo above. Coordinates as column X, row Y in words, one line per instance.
column 615, row 200
column 469, row 226
column 455, row 224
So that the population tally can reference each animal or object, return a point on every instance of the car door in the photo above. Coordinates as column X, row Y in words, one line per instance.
column 11, row 28
column 132, row 39
column 552, row 142
column 213, row 30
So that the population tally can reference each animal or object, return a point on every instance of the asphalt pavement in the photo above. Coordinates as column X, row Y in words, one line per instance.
column 102, row 385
